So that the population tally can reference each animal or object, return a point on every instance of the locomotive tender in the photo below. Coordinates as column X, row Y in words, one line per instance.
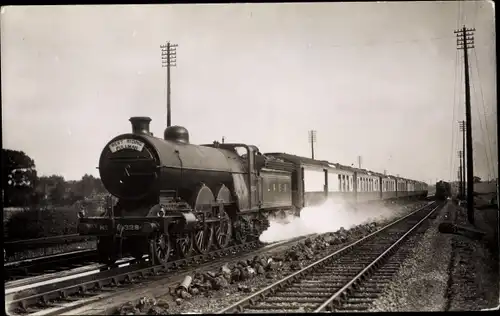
column 176, row 197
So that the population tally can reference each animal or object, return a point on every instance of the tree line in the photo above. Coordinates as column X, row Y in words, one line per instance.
column 22, row 187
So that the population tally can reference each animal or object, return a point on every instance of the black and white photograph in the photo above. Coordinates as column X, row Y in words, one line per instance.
column 222, row 158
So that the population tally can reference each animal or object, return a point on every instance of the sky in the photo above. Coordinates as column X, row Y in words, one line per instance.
column 383, row 81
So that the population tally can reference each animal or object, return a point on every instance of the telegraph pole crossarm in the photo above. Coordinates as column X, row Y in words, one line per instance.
column 465, row 41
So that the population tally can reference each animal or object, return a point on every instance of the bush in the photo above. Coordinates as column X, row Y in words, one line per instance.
column 38, row 223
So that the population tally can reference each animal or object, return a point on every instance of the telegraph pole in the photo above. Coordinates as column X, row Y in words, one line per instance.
column 462, row 129
column 223, row 139
column 460, row 174
column 312, row 140
column 465, row 40
column 168, row 55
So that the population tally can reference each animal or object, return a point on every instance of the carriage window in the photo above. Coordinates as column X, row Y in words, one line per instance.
column 284, row 187
column 269, row 187
column 348, row 187
column 274, row 187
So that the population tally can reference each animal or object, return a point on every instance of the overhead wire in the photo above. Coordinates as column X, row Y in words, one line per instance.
column 454, row 104
column 395, row 42
column 483, row 137
column 454, row 130
column 487, row 141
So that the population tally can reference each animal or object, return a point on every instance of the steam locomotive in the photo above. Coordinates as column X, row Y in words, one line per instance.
column 173, row 197
column 443, row 190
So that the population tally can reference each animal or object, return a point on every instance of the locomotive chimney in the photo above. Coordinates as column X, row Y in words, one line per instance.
column 140, row 125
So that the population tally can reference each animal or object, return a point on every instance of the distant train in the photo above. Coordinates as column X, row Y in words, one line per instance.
column 174, row 197
column 443, row 190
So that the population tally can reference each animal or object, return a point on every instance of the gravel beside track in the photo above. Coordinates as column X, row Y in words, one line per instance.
column 474, row 275
column 160, row 286
column 422, row 280
column 448, row 272
column 32, row 300
column 50, row 297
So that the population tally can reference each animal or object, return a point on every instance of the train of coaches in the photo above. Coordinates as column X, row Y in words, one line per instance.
column 176, row 198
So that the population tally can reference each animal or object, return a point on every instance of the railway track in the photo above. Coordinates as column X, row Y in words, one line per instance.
column 55, row 295
column 15, row 246
column 346, row 280
column 19, row 270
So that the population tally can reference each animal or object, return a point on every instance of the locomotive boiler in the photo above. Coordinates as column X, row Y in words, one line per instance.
column 174, row 196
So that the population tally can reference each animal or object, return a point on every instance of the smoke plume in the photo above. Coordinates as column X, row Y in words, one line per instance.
column 328, row 217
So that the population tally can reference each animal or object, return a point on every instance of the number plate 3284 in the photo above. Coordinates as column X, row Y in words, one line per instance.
column 128, row 227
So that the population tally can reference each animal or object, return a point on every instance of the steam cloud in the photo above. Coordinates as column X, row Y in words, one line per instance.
column 328, row 217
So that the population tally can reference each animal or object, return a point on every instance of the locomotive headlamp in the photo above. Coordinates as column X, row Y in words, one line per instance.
column 161, row 212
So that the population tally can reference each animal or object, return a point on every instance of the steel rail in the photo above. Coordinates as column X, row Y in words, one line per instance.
column 109, row 278
column 39, row 265
column 16, row 246
column 252, row 299
column 335, row 298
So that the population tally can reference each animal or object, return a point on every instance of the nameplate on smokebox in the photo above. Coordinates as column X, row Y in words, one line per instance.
column 126, row 144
